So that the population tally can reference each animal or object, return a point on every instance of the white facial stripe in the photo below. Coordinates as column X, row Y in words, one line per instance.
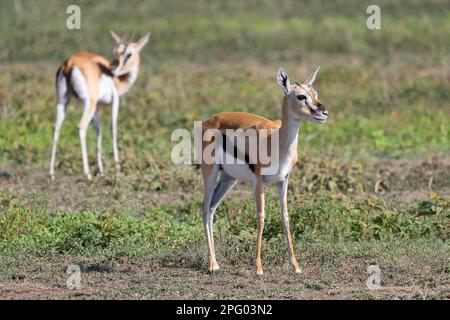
column 309, row 100
column 121, row 48
column 311, row 106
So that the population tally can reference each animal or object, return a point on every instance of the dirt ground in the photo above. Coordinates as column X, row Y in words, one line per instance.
column 143, row 281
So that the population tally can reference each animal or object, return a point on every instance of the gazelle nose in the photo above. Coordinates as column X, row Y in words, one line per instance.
column 325, row 113
column 320, row 106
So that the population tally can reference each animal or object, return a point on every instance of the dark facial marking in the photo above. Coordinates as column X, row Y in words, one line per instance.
column 127, row 56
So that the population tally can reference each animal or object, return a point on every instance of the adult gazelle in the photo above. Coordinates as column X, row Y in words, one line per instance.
column 93, row 79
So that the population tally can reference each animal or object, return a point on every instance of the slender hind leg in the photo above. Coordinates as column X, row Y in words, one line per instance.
column 88, row 114
column 210, row 173
column 225, row 184
column 61, row 109
column 98, row 131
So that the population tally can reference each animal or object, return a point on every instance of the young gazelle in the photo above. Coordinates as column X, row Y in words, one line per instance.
column 93, row 79
column 300, row 103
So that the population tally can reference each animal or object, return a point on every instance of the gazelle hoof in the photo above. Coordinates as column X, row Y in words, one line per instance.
column 259, row 273
column 52, row 177
column 89, row 177
column 213, row 269
column 298, row 270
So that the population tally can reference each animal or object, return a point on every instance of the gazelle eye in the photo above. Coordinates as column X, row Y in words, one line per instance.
column 127, row 56
column 301, row 97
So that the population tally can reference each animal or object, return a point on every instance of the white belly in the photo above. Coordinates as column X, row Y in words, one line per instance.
column 240, row 172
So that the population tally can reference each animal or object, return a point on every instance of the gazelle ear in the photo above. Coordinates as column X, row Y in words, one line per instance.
column 143, row 41
column 116, row 37
column 283, row 81
column 312, row 77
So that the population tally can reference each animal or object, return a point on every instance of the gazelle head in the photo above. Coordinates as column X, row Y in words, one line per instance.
column 302, row 99
column 126, row 54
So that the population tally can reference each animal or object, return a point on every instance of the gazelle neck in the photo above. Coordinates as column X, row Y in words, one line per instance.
column 125, row 81
column 288, row 131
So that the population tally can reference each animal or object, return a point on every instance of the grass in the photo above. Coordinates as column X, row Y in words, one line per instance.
column 164, row 227
column 371, row 186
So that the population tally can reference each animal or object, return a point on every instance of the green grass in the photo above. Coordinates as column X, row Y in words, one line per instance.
column 163, row 228
column 338, row 235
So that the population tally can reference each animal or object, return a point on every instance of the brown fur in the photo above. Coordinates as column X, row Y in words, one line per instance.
column 240, row 120
column 92, row 66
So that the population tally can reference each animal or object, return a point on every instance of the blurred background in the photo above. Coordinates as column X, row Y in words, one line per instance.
column 387, row 90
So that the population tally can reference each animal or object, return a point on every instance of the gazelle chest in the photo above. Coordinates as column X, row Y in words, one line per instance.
column 106, row 89
column 283, row 167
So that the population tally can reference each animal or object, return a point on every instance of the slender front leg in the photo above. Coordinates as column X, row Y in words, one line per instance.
column 259, row 193
column 88, row 114
column 98, row 131
column 114, row 117
column 282, row 193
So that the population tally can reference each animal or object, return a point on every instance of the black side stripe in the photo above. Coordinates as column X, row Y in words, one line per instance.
column 105, row 70
column 235, row 153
